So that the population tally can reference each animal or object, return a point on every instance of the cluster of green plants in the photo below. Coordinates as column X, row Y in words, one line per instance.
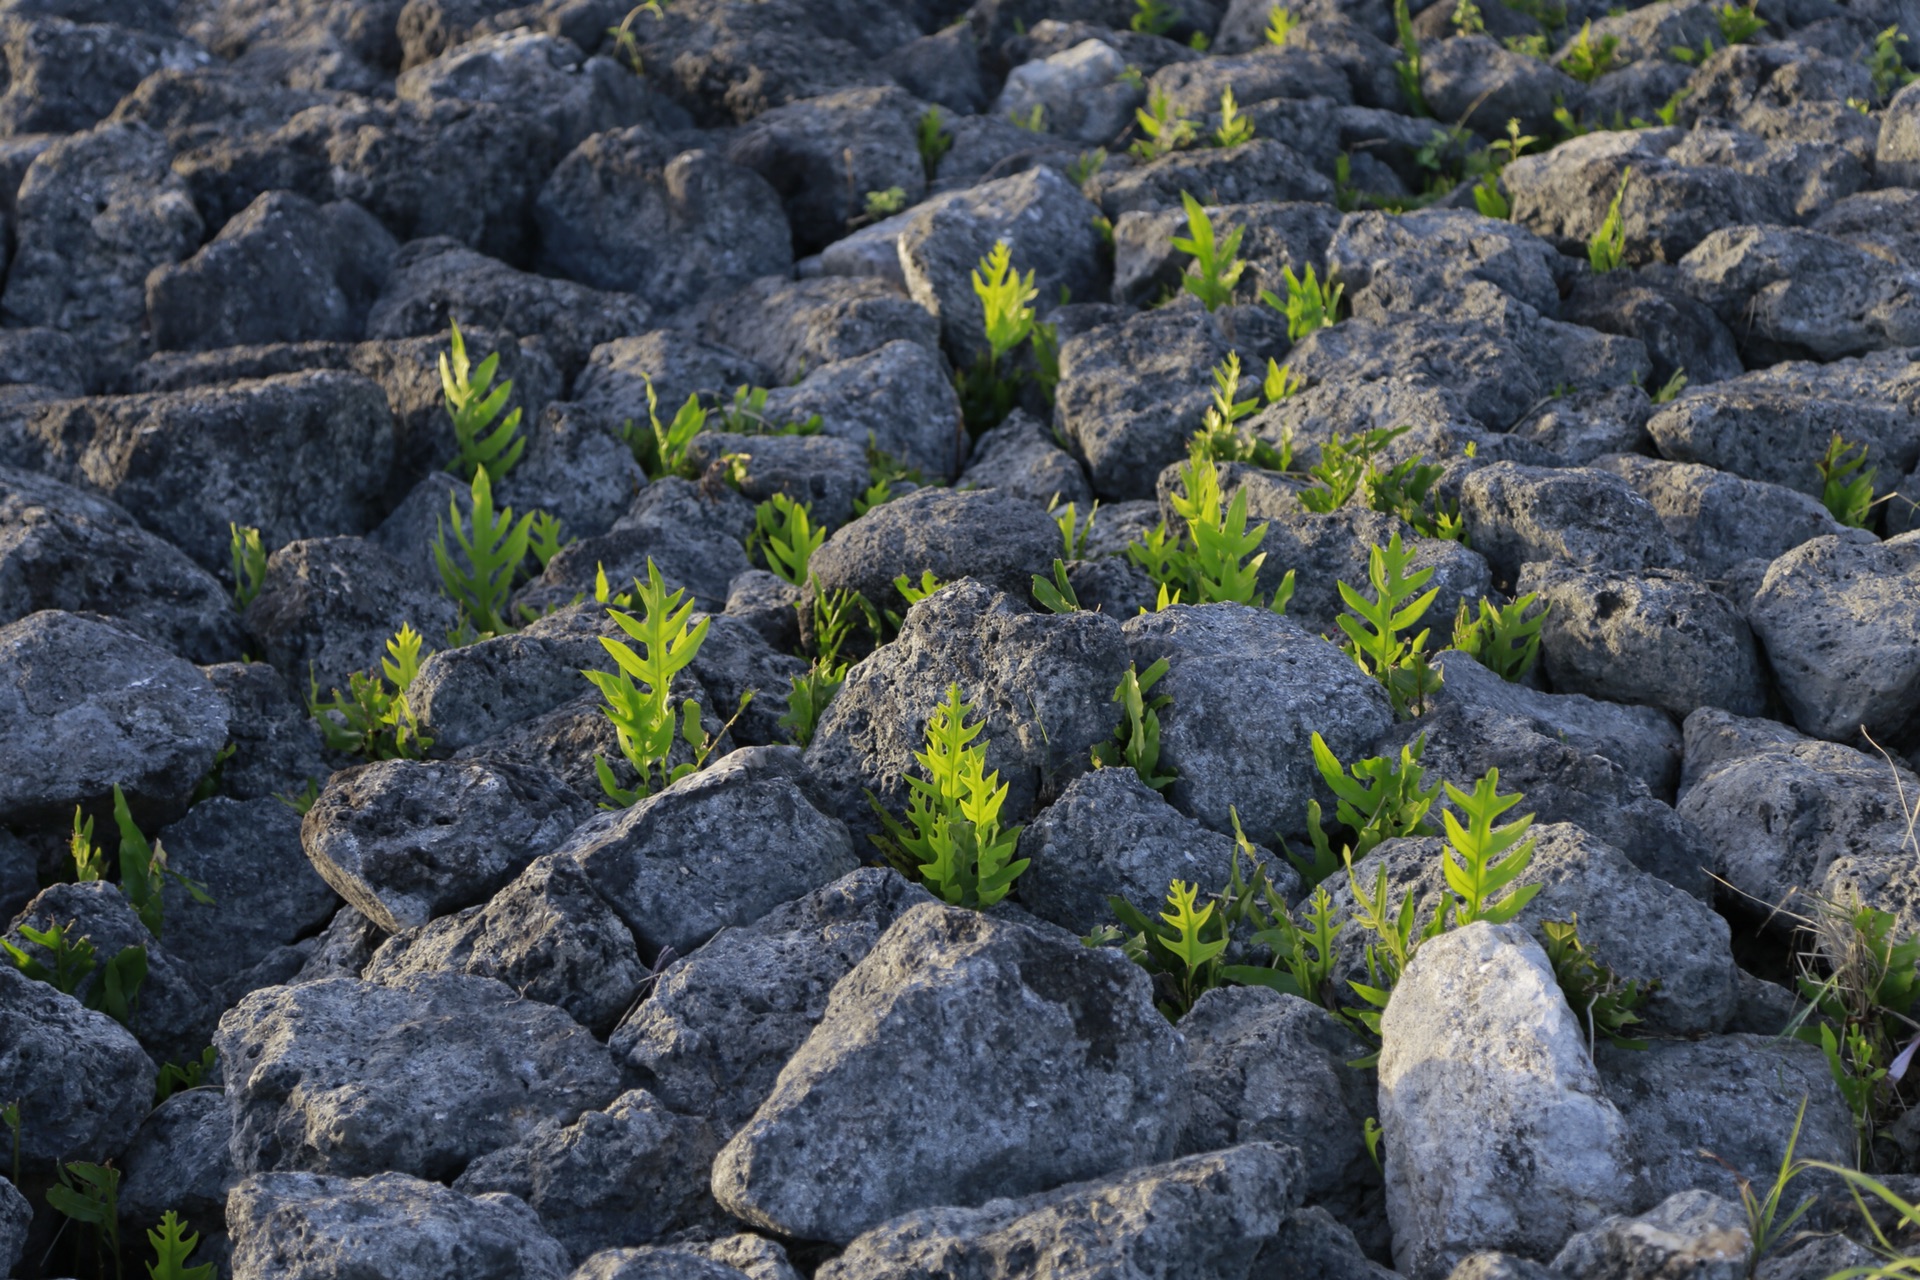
column 372, row 719
column 1886, row 68
column 1504, row 639
column 1586, row 59
column 1163, row 128
column 1846, row 482
column 1376, row 627
column 991, row 386
column 88, row 1195
column 1217, row 558
column 1280, row 24
column 1349, row 473
column 1220, row 438
column 1136, row 739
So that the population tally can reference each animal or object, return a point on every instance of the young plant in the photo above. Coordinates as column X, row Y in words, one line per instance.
column 1407, row 67
column 1055, row 594
column 1587, row 61
column 1073, row 531
column 1310, row 304
column 144, row 871
column 1234, row 128
column 1085, row 166
column 987, row 392
column 1468, row 20
column 1216, row 267
column 1598, row 996
column 1280, row 25
column 484, row 440
column 1845, row 488
column 1136, row 740
column 662, row 450
column 173, row 1076
column 1506, row 640
column 1766, row 1227
column 1608, row 246
column 1348, row 470
column 884, row 204
column 1670, row 389
column 90, row 1195
column 1482, row 857
column 544, row 540
column 1219, row 438
column 172, row 1245
column 1380, row 798
column 785, row 534
column 1164, row 127
column 1218, row 559
column 836, row 614
column 372, row 719
column 952, row 840
column 491, row 547
column 638, row 693
column 1739, row 23
column 249, row 558
column 1886, row 68
column 934, row 141
column 1375, row 627
column 1153, row 17
column 1281, row 383
column 1033, row 120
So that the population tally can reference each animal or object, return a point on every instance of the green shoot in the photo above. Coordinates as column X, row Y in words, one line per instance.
column 1608, row 246
column 1081, row 171
column 1845, row 488
column 89, row 859
column 884, row 204
column 1073, row 532
column 73, row 959
column 301, row 801
column 1033, row 120
column 933, row 140
column 1468, row 19
column 1006, row 301
column 172, row 1246
column 1153, row 17
column 1489, row 199
column 1599, row 998
column 1234, row 128
column 1475, row 869
column 1055, row 595
column 1407, row 67
column 662, row 450
column 1506, row 641
column 1210, row 564
column 1219, row 438
column 1379, row 799
column 1215, row 268
column 249, row 558
column 174, row 1077
column 1586, row 61
column 1670, row 389
column 1739, row 23
column 544, row 540
column 785, row 534
column 952, row 840
column 1165, row 129
column 144, row 871
column 372, row 720
column 1280, row 25
column 835, row 616
column 1375, row 627
column 1347, row 470
column 1885, row 67
column 1281, row 383
column 746, row 415
column 486, row 442
column 637, row 694
column 1309, row 304
column 90, row 1195
column 914, row 592
column 1136, row 741
column 491, row 549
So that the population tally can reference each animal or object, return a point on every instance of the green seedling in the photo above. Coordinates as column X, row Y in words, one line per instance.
column 372, row 719
column 175, row 1076
column 1216, row 267
column 1310, row 304
column 1846, row 482
column 89, row 859
column 1489, row 199
column 662, row 450
column 1692, row 57
column 249, row 557
column 1234, row 128
column 1608, row 246
column 484, row 440
column 952, row 840
column 1164, row 128
column 1408, row 66
column 1468, row 20
column 1153, row 17
column 1218, row 560
column 1380, row 798
column 914, row 592
column 1348, row 471
column 1376, row 627
column 987, row 392
column 884, row 204
column 1767, row 1225
column 544, row 540
column 172, row 1247
column 302, row 800
column 836, row 615
column 1281, row 383
column 70, row 961
column 1219, row 438
column 1033, row 119
column 1739, row 23
column 746, row 415
column 1602, row 1001
column 1535, row 46
column 638, row 693
column 1280, row 25
column 1056, row 594
column 1136, row 741
column 784, row 533
column 479, row 571
column 1504, row 640
column 1085, row 166
column 1073, row 531
column 1886, row 68
column 90, row 1195
column 1587, row 60
column 933, row 140
column 1484, row 858
column 626, row 41
column 1670, row 389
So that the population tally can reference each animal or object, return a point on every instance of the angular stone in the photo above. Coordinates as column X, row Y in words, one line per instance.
column 82, row 1076
column 1519, row 514
column 1693, row 1233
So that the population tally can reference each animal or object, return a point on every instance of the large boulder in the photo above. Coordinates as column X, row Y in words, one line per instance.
column 81, row 1077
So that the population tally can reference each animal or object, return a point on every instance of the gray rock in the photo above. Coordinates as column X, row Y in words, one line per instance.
column 795, row 326
column 1249, row 689
column 301, row 456
column 1414, row 262
column 96, row 212
column 543, row 74
column 16, row 1216
column 736, row 660
column 282, row 270
column 1736, row 1096
column 1679, row 333
column 1760, row 280
column 1693, row 1233
column 303, row 1226
column 276, row 747
column 61, row 548
column 65, row 75
column 823, row 155
column 1266, row 1067
column 1518, row 514
column 1896, row 158
column 407, row 840
column 721, row 1022
column 1787, row 816
column 1274, row 238
column 1816, row 1259
column 721, row 847
column 89, row 706
column 1021, row 457
column 1132, row 394
column 19, row 874
column 179, row 1161
column 757, row 1256
column 342, row 949
column 1478, row 1028
column 81, row 1076
column 821, row 472
column 1719, row 519
column 438, row 279
column 1078, row 92
column 468, row 695
column 899, row 397
column 1587, row 425
column 1259, row 171
column 1502, row 1266
column 1475, row 81
column 548, row 935
column 625, row 212
column 1813, row 174
column 574, row 470
column 995, row 538
column 328, row 606
column 1217, row 1216
column 634, row 1173
column 1042, row 682
column 1840, row 621
column 1769, row 430
column 1090, row 1052
column 1110, row 834
column 1045, row 221
column 1659, row 638
column 942, row 68
column 654, row 1263
column 1877, row 220
column 420, row 1076
column 266, row 895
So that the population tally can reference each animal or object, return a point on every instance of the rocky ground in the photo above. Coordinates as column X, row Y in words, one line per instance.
column 349, row 929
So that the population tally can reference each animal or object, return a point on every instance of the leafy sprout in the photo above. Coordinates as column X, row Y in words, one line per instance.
column 1885, row 67
column 1739, row 23
column 882, row 204
column 1153, row 17
column 249, row 558
column 662, row 450
column 1846, row 482
column 1608, row 246
column 1216, row 267
column 172, row 1245
column 1377, row 799
column 1164, row 127
column 1234, row 128
column 373, row 719
column 1408, row 66
column 1586, row 60
column 483, row 438
column 1310, row 304
column 1598, row 996
column 933, row 141
column 1136, row 740
column 1055, row 594
column 784, row 533
column 1504, row 640
column 1280, row 24
column 1376, row 628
